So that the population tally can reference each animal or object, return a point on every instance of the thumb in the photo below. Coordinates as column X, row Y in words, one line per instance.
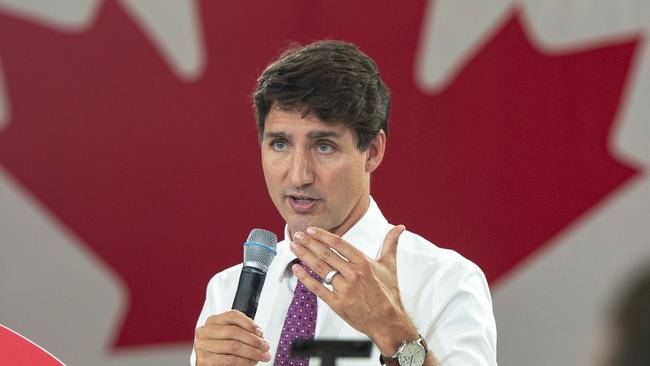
column 389, row 248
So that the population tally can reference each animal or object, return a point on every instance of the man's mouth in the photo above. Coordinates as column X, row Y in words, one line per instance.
column 302, row 204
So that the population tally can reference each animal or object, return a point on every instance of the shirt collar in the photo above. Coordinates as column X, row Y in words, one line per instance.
column 367, row 235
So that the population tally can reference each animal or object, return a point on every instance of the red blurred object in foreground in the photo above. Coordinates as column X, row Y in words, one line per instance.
column 17, row 350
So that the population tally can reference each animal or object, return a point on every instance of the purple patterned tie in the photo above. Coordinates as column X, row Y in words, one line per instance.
column 299, row 323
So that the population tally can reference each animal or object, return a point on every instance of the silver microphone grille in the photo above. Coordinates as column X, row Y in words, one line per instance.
column 259, row 249
column 261, row 236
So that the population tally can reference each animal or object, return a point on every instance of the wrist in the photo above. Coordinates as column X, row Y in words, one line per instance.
column 390, row 342
column 410, row 352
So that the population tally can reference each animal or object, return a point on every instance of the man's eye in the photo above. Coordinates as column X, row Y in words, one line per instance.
column 278, row 145
column 324, row 147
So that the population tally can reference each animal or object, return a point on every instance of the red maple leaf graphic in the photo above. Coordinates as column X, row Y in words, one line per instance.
column 161, row 178
column 512, row 152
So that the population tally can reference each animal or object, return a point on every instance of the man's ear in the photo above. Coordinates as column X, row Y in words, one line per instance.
column 375, row 152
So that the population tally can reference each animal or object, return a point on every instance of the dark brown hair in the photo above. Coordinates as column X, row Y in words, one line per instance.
column 334, row 80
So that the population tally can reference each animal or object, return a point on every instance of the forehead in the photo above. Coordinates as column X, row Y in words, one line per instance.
column 293, row 123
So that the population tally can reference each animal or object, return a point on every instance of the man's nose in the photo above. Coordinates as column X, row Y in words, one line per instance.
column 301, row 170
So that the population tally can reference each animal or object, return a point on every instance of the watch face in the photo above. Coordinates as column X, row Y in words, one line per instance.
column 412, row 355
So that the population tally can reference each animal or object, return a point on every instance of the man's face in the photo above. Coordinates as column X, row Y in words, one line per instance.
column 314, row 172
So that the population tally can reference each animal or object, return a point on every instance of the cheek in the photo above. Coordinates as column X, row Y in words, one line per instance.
column 265, row 171
column 271, row 171
column 348, row 179
column 272, row 186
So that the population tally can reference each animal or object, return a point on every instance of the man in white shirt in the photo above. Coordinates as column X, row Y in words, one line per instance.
column 322, row 114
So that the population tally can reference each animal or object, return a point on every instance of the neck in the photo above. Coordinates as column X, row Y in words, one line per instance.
column 355, row 215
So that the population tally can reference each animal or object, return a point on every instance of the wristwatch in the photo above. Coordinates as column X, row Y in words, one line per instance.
column 410, row 353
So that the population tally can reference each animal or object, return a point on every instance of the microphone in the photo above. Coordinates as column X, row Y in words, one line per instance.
column 259, row 251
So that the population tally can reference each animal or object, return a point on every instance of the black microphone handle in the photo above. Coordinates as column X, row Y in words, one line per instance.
column 251, row 281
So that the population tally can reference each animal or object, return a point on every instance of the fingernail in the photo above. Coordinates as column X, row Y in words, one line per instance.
column 299, row 235
column 265, row 346
column 311, row 231
column 259, row 332
column 266, row 356
column 294, row 246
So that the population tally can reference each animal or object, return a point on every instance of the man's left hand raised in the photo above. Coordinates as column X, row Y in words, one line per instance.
column 365, row 291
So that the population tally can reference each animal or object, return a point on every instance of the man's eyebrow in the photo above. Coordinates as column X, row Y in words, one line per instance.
column 322, row 134
column 275, row 135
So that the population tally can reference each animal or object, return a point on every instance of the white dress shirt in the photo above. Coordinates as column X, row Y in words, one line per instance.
column 445, row 294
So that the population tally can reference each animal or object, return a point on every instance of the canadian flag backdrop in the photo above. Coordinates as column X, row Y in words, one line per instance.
column 130, row 174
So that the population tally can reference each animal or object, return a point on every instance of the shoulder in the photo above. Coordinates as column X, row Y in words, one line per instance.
column 416, row 249
column 437, row 270
column 226, row 278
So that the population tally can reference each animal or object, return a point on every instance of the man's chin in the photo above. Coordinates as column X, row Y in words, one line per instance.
column 294, row 228
column 301, row 224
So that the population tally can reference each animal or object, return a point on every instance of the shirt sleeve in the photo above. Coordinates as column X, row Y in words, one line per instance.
column 464, row 331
